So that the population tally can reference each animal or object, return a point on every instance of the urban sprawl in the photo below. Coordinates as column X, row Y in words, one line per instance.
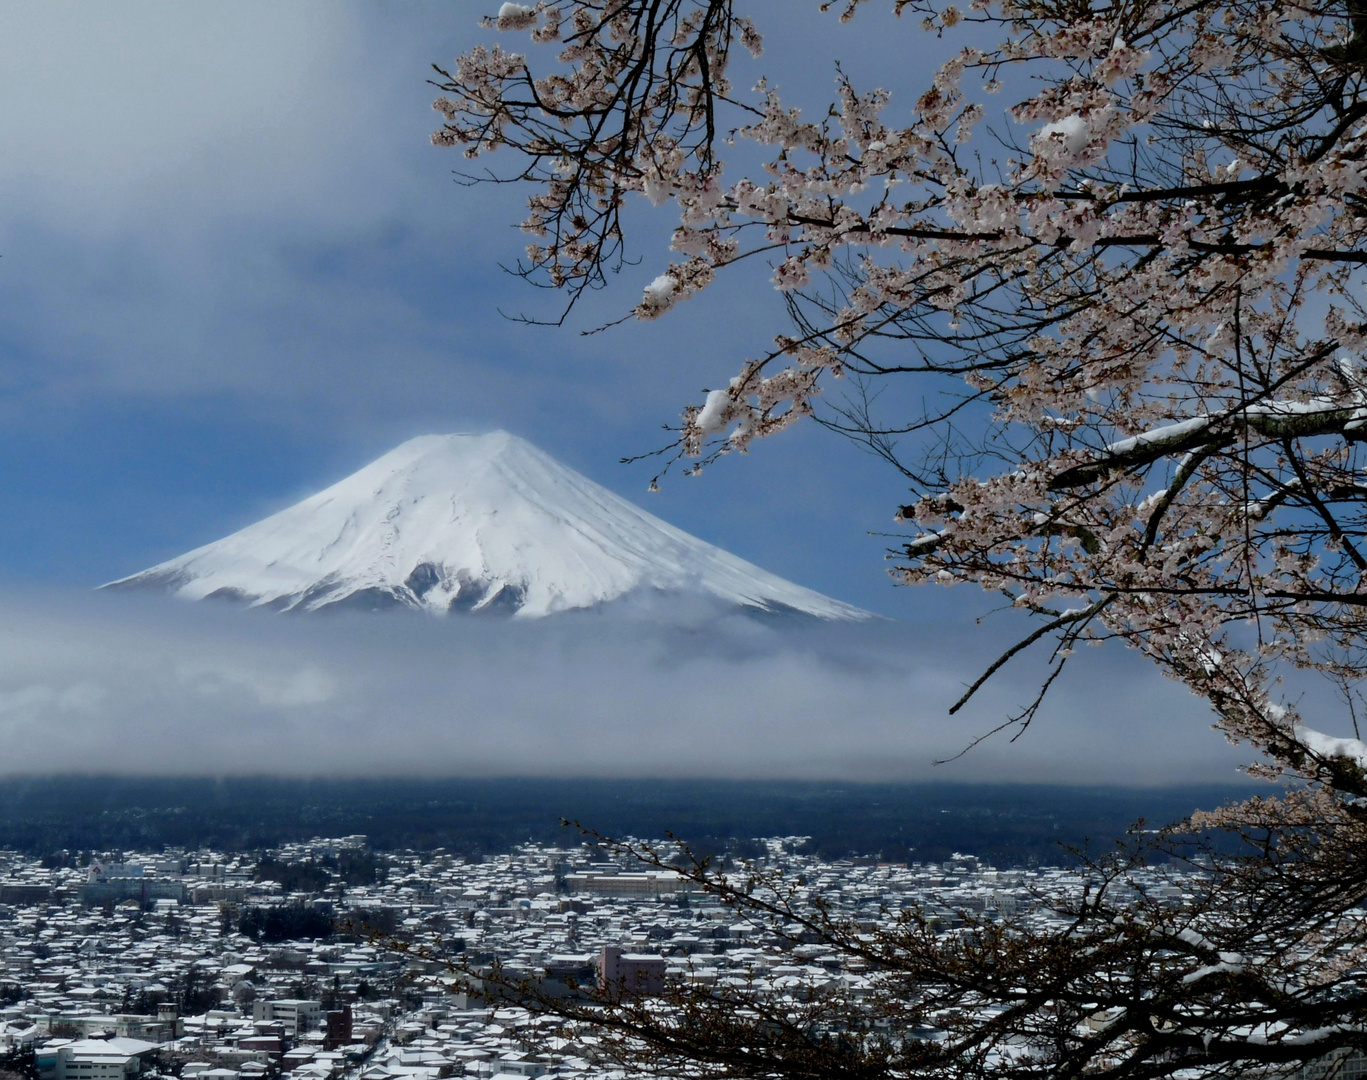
column 217, row 966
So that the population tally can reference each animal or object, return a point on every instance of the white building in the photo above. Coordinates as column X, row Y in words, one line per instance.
column 297, row 1016
column 102, row 1059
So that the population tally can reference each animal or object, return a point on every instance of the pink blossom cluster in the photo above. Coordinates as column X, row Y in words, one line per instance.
column 1136, row 304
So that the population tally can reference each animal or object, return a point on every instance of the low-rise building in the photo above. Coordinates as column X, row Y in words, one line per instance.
column 296, row 1015
column 102, row 1059
column 621, row 974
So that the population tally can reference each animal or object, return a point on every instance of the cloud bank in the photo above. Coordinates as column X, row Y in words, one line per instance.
column 121, row 685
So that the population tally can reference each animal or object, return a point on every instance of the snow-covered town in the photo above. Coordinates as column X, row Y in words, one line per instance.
column 897, row 468
column 222, row 966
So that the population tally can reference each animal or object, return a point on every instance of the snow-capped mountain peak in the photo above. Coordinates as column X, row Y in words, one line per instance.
column 469, row 522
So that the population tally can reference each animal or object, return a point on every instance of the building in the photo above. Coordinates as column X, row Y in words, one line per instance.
column 338, row 1028
column 296, row 1016
column 650, row 883
column 633, row 974
column 102, row 1059
column 110, row 883
column 163, row 1027
column 20, row 1035
column 1344, row 1064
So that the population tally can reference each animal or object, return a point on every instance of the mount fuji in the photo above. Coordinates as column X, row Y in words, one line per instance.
column 470, row 523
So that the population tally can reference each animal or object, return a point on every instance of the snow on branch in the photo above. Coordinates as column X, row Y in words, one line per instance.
column 1329, row 747
column 1276, row 420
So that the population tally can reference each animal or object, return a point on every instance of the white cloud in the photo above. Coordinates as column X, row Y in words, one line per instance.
column 108, row 684
column 118, row 114
column 241, row 200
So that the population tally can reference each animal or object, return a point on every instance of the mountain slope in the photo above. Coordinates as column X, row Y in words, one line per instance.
column 469, row 522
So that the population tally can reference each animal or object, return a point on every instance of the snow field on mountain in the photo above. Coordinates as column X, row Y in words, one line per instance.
column 470, row 522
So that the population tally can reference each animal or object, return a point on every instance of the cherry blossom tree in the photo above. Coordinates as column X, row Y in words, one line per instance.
column 1120, row 252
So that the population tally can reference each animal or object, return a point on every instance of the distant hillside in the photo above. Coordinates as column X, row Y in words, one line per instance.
column 1005, row 824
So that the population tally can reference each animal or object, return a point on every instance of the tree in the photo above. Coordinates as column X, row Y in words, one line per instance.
column 192, row 995
column 18, row 1063
column 1118, row 251
column 284, row 922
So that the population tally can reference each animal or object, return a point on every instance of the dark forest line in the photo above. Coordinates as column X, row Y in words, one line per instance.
column 1009, row 825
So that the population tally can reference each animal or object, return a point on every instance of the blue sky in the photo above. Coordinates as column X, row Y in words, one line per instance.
column 233, row 270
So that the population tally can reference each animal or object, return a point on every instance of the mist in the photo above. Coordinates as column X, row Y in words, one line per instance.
column 101, row 683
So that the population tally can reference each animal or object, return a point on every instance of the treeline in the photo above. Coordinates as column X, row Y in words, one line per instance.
column 1018, row 825
column 350, row 867
column 285, row 922
column 293, row 877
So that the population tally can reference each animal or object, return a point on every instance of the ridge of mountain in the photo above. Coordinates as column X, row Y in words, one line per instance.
column 469, row 523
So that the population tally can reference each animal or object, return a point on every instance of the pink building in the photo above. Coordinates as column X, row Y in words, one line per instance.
column 622, row 973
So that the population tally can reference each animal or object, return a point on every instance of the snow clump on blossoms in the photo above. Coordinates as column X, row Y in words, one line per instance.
column 1073, row 141
column 515, row 17
column 658, row 297
column 1073, row 131
column 711, row 417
